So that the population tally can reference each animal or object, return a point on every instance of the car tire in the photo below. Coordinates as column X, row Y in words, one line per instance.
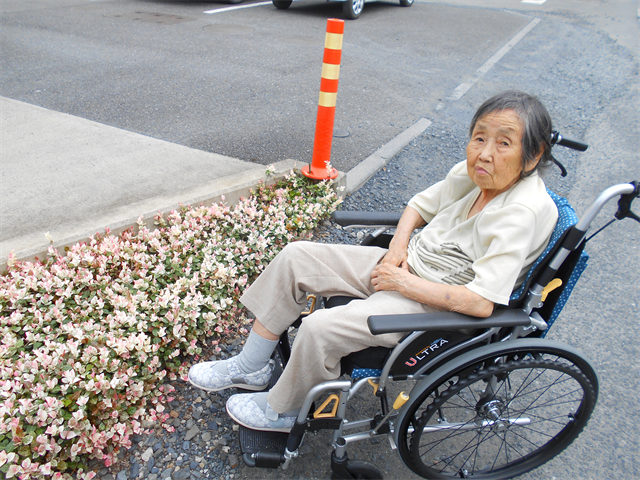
column 406, row 3
column 282, row 4
column 352, row 8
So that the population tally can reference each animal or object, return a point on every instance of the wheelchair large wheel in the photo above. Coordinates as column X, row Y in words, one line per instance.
column 499, row 415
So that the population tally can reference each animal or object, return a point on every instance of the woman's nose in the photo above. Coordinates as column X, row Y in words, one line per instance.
column 488, row 151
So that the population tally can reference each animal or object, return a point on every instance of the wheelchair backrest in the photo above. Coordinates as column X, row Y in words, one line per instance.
column 569, row 272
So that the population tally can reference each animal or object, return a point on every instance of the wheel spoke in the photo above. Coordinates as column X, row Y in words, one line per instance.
column 542, row 388
column 546, row 419
column 533, row 430
column 466, row 447
column 546, row 404
column 452, row 433
column 540, row 392
column 550, row 404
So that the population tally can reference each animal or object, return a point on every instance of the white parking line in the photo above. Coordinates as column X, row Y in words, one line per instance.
column 537, row 2
column 238, row 7
column 464, row 87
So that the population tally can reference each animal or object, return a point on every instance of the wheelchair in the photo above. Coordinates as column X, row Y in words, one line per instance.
column 490, row 398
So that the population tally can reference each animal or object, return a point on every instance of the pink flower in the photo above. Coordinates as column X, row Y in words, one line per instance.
column 45, row 469
column 6, row 457
column 13, row 471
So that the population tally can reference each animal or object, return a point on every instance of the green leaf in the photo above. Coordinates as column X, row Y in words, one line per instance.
column 25, row 452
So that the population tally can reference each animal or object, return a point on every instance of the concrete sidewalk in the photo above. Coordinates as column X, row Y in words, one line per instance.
column 66, row 178
column 73, row 177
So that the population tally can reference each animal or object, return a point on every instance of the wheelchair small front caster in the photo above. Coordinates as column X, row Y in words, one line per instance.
column 344, row 469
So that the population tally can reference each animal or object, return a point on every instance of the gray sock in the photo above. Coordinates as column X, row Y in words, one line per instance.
column 256, row 353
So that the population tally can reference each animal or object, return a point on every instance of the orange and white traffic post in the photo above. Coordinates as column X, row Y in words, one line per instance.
column 320, row 167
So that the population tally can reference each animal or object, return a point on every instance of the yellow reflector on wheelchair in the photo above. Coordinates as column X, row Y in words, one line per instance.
column 318, row 413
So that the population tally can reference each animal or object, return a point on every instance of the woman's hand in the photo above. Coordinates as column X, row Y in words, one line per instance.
column 397, row 254
column 396, row 258
column 387, row 276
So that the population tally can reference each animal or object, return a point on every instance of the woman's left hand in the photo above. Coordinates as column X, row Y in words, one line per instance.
column 388, row 277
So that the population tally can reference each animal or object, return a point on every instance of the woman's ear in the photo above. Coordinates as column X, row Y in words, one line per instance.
column 533, row 163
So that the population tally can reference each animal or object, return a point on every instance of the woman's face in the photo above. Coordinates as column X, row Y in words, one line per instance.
column 494, row 153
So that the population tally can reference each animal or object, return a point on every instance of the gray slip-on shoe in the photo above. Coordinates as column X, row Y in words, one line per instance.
column 206, row 376
column 251, row 410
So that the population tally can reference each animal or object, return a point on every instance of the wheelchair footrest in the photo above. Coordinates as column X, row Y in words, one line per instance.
column 262, row 449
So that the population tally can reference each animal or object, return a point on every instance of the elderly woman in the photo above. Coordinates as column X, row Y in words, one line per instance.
column 487, row 222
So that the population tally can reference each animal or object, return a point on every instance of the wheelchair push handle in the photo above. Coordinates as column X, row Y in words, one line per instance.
column 627, row 193
column 557, row 139
column 624, row 204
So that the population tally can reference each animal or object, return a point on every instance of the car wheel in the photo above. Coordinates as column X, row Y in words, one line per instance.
column 406, row 3
column 352, row 8
column 282, row 4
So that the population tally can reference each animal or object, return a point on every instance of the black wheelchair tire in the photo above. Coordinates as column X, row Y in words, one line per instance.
column 461, row 451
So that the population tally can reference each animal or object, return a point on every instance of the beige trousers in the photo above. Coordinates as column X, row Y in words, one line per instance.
column 278, row 297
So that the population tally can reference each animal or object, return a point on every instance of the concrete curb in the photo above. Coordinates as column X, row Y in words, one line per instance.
column 232, row 187
column 359, row 175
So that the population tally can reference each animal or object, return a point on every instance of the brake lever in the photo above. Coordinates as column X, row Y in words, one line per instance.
column 624, row 204
column 563, row 171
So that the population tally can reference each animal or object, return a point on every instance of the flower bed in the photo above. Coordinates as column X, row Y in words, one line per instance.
column 89, row 336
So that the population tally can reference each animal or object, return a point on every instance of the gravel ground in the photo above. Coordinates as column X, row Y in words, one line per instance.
column 584, row 81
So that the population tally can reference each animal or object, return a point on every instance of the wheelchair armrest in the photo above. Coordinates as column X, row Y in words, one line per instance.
column 366, row 219
column 414, row 322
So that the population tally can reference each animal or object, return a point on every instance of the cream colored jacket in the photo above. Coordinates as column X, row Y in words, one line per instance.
column 490, row 252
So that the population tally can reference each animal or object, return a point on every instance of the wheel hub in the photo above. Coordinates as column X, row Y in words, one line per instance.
column 491, row 410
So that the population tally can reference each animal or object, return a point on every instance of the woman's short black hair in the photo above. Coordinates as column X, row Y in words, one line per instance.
column 536, row 122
